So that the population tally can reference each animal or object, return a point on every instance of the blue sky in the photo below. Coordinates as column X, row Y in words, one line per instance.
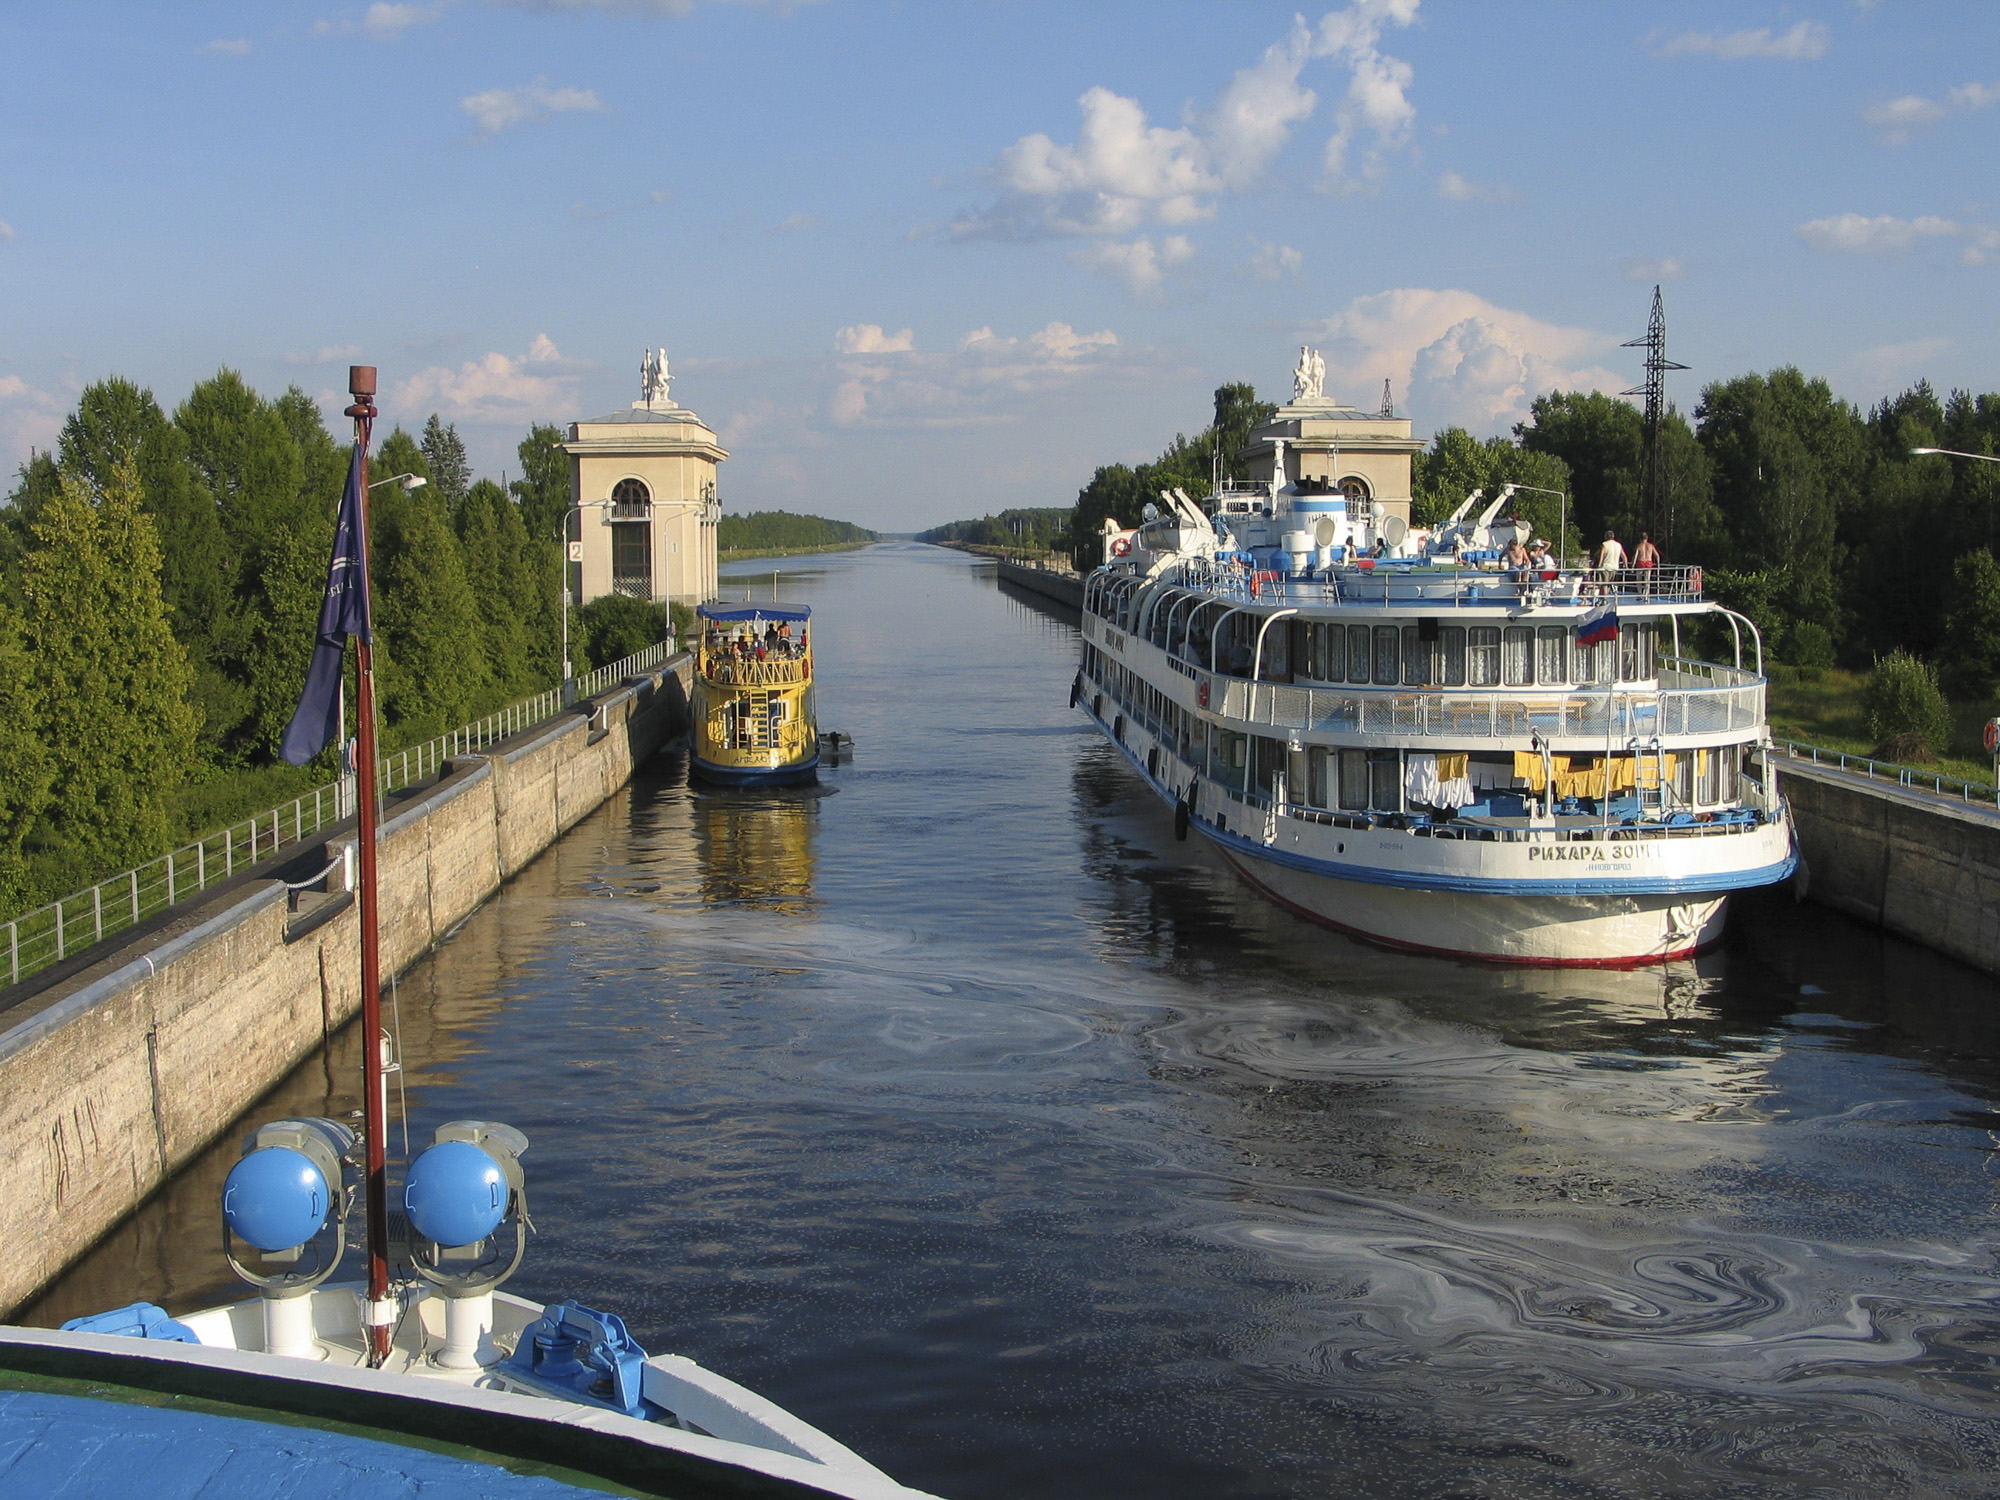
column 915, row 262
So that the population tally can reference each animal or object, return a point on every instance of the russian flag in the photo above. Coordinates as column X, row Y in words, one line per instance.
column 1600, row 625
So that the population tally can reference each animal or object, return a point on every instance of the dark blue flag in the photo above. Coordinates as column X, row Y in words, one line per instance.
column 344, row 613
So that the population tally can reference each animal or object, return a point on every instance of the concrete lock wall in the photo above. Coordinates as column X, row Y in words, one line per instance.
column 1905, row 861
column 109, row 1084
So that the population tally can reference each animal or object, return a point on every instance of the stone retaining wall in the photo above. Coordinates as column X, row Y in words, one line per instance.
column 109, row 1084
column 1907, row 861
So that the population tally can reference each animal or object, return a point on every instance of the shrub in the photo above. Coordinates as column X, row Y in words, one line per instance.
column 1809, row 644
column 614, row 627
column 1907, row 713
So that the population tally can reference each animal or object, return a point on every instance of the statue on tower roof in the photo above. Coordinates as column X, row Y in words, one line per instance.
column 1309, row 379
column 653, row 379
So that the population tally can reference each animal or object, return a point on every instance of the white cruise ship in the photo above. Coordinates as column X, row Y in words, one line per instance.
column 1395, row 734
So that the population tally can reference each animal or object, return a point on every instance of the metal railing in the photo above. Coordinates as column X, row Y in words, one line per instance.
column 1401, row 581
column 772, row 671
column 1458, row 715
column 36, row 939
column 1969, row 792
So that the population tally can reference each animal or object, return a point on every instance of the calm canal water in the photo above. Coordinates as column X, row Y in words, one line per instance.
column 961, row 1110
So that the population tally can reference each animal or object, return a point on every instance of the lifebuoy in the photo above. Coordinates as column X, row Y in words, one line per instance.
column 1120, row 546
column 1993, row 734
column 1694, row 580
column 1201, row 693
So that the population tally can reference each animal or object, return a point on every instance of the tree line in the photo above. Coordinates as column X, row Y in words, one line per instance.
column 1807, row 514
column 1036, row 529
column 160, row 586
column 781, row 531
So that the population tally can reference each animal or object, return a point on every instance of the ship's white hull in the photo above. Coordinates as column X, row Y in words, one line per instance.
column 1610, row 932
column 1597, row 904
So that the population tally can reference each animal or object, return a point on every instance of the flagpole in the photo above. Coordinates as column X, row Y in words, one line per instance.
column 379, row 1313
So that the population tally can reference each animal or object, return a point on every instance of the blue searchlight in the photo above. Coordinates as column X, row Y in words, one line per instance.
column 275, row 1198
column 455, row 1194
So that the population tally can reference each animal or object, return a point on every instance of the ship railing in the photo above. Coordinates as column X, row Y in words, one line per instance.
column 1511, row 715
column 772, row 671
column 1407, row 583
column 37, row 939
column 1423, row 825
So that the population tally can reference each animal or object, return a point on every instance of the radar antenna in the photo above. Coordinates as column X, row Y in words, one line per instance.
column 1658, row 505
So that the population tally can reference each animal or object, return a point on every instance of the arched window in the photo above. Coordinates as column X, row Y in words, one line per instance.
column 1354, row 487
column 631, row 492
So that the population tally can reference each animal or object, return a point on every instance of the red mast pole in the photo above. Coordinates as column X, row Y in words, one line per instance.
column 378, row 1316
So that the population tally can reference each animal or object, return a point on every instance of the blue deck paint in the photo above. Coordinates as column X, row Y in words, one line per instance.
column 80, row 1449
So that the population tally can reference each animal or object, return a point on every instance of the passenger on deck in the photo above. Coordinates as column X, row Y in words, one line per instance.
column 1519, row 564
column 1646, row 559
column 785, row 637
column 1610, row 560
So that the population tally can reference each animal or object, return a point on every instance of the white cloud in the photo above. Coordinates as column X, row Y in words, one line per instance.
column 965, row 387
column 496, row 109
column 1269, row 262
column 386, row 19
column 1461, row 190
column 1889, row 362
column 228, row 46
column 868, row 338
column 1124, row 173
column 495, row 388
column 1651, row 268
column 1895, row 119
column 29, row 418
column 6, row 231
column 1805, row 42
column 326, row 354
column 1142, row 264
column 1884, row 234
column 1455, row 357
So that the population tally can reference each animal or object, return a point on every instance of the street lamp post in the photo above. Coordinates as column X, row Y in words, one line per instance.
column 1562, row 510
column 407, row 481
column 1985, row 458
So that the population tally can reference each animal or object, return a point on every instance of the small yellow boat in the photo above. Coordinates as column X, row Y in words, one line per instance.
column 751, row 711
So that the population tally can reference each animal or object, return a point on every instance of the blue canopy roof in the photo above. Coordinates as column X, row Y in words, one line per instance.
column 753, row 611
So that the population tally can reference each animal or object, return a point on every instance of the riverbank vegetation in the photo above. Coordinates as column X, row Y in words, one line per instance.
column 160, row 587
column 775, row 533
column 1030, row 532
column 1810, row 516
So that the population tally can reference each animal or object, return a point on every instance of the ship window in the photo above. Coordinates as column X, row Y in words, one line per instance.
column 1483, row 656
column 1452, row 642
column 1727, row 786
column 1386, row 669
column 1357, row 653
column 1637, row 653
column 1320, row 773
column 1552, row 666
column 1708, row 777
column 1684, row 779
column 1385, row 780
column 1413, row 658
column 1332, row 653
column 1354, row 780
column 1596, row 663
column 1517, row 656
column 1268, row 759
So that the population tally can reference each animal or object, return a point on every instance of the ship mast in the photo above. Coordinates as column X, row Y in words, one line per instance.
column 378, row 1316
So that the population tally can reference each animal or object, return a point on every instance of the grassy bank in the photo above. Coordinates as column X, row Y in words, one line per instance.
column 1827, row 707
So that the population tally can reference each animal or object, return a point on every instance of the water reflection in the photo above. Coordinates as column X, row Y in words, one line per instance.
column 969, row 1114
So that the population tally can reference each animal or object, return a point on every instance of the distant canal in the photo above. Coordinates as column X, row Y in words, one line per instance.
column 962, row 1111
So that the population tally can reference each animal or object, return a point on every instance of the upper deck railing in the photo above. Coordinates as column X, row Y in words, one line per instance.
column 1556, row 714
column 1399, row 581
column 727, row 670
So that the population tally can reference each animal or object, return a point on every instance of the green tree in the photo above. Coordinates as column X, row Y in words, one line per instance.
column 26, row 769
column 34, row 483
column 450, row 470
column 1601, row 440
column 543, row 489
column 498, row 569
column 1238, row 413
column 111, row 680
column 1972, row 627
column 1457, row 463
column 429, row 631
column 613, row 627
column 1907, row 713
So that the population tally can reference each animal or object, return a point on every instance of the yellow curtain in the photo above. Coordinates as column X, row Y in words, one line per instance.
column 1583, row 776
